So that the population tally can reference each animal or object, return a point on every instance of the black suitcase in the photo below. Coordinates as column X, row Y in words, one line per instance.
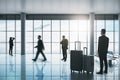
column 88, row 62
column 76, row 59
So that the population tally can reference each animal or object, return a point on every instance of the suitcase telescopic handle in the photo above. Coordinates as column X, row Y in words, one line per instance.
column 85, row 50
column 76, row 44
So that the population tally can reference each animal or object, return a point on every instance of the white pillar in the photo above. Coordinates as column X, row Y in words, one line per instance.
column 119, row 33
column 119, row 47
column 23, row 65
column 91, row 19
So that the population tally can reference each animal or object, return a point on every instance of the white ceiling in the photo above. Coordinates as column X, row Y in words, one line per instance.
column 60, row 6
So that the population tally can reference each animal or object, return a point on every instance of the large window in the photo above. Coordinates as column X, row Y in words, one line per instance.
column 10, row 26
column 51, row 28
column 111, row 24
column 52, row 31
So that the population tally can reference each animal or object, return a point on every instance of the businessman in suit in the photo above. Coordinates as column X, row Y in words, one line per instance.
column 40, row 48
column 11, row 46
column 102, row 51
column 64, row 44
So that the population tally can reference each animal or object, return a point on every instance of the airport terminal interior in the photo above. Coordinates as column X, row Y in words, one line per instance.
column 77, row 20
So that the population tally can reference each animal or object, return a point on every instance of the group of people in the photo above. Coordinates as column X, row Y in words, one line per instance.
column 40, row 48
column 103, row 43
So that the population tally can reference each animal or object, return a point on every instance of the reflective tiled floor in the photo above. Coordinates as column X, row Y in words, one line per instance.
column 52, row 69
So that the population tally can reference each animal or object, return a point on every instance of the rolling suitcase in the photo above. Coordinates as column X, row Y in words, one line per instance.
column 76, row 59
column 88, row 61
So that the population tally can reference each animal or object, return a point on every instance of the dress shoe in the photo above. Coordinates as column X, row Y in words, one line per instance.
column 63, row 60
column 33, row 59
column 44, row 60
column 105, row 72
column 99, row 73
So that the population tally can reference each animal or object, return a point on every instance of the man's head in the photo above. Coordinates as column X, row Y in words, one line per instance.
column 10, row 38
column 39, row 36
column 103, row 31
column 63, row 37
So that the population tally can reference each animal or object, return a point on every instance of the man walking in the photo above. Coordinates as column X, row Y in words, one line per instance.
column 40, row 48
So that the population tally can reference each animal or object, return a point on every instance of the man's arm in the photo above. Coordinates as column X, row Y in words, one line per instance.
column 61, row 42
column 107, row 43
column 42, row 45
column 13, row 38
column 36, row 46
column 99, row 45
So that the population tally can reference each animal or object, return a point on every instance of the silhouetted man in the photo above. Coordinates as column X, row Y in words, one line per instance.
column 64, row 43
column 11, row 46
column 102, row 51
column 40, row 48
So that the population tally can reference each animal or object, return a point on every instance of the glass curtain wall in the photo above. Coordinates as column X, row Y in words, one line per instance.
column 51, row 31
column 10, row 26
column 111, row 24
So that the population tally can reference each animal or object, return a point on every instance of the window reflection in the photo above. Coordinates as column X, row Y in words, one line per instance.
column 46, row 25
column 38, row 25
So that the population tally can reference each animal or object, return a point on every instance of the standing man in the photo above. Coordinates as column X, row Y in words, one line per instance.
column 64, row 43
column 102, row 51
column 40, row 48
column 11, row 46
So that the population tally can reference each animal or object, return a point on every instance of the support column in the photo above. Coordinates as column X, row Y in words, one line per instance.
column 119, row 46
column 23, row 65
column 119, row 33
column 91, row 19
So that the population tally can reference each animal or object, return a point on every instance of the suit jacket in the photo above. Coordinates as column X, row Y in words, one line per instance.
column 11, row 42
column 64, row 43
column 103, row 45
column 40, row 45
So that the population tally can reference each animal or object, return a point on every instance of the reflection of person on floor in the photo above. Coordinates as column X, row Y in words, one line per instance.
column 11, row 46
column 102, row 51
column 11, row 66
column 64, row 71
column 64, row 43
column 40, row 73
column 40, row 48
